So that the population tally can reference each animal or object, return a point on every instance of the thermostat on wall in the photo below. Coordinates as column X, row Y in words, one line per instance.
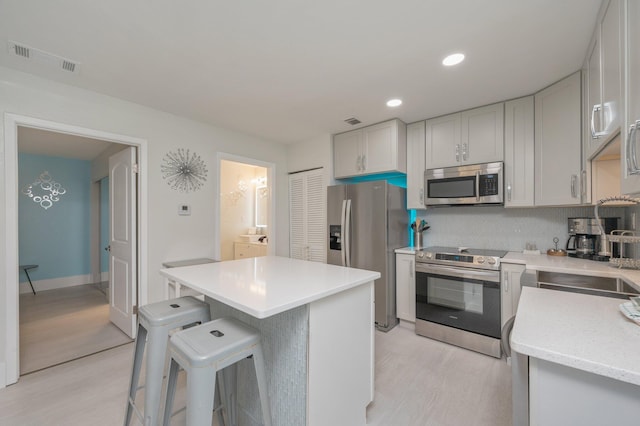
column 184, row 210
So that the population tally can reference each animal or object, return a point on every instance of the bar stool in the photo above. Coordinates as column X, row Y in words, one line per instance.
column 204, row 350
column 155, row 321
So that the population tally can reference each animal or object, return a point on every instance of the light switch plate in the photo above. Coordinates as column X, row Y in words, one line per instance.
column 184, row 210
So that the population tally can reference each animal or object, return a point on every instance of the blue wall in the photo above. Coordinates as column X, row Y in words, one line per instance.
column 104, row 224
column 57, row 239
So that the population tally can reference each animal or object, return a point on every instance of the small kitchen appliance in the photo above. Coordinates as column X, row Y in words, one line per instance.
column 474, row 184
column 458, row 297
column 585, row 241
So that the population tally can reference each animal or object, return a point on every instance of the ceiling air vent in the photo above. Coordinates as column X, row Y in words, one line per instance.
column 68, row 66
column 353, row 121
column 44, row 58
column 21, row 50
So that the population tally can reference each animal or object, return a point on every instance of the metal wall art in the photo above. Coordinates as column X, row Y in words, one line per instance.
column 183, row 171
column 44, row 191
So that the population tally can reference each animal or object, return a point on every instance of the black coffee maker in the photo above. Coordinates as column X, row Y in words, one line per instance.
column 584, row 237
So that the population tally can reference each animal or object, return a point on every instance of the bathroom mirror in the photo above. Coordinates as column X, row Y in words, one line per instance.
column 262, row 205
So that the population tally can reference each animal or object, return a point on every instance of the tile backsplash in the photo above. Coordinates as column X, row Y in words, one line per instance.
column 502, row 228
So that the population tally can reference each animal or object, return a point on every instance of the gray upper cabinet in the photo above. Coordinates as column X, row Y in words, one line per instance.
column 468, row 137
column 381, row 148
column 519, row 153
column 557, row 143
column 602, row 66
column 415, row 165
column 630, row 161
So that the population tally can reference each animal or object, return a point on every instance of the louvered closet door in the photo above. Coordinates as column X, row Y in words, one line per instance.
column 307, row 215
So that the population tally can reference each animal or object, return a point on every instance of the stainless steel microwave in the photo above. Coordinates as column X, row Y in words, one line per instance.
column 465, row 185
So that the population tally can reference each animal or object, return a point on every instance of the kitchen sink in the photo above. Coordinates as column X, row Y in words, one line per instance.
column 586, row 284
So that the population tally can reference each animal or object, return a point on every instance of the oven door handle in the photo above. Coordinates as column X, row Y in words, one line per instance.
column 491, row 276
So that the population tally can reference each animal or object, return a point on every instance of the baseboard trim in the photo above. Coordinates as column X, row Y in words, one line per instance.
column 55, row 283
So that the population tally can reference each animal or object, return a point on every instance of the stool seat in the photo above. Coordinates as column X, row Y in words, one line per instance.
column 204, row 350
column 155, row 323
column 214, row 342
column 173, row 311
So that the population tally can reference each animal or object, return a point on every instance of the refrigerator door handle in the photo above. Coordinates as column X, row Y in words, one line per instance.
column 343, row 236
column 347, row 235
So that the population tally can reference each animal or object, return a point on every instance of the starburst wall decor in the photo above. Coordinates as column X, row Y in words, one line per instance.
column 183, row 171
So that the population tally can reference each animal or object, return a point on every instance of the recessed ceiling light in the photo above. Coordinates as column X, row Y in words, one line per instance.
column 394, row 102
column 454, row 59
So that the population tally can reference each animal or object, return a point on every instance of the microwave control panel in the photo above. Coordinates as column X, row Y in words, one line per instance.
column 489, row 184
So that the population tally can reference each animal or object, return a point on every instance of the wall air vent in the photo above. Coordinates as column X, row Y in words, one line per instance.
column 43, row 58
column 353, row 121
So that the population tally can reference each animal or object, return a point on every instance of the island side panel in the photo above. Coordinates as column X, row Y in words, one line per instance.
column 341, row 357
column 284, row 343
column 561, row 395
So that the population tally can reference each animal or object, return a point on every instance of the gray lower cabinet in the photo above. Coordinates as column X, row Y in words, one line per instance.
column 405, row 287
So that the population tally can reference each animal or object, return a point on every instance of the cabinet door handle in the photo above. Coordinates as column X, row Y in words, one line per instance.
column 411, row 269
column 627, row 148
column 574, row 178
column 457, row 152
column 364, row 163
column 583, row 184
column 509, row 192
column 421, row 195
column 464, row 152
column 634, row 151
column 506, row 284
column 594, row 134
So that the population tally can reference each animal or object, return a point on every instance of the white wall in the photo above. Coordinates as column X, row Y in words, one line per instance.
column 311, row 154
column 171, row 237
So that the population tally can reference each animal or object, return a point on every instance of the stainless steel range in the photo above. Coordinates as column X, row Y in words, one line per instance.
column 458, row 297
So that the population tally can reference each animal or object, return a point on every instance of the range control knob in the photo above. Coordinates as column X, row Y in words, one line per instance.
column 480, row 259
column 420, row 254
column 429, row 255
column 492, row 261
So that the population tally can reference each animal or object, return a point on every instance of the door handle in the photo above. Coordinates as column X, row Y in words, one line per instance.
column 422, row 196
column 364, row 163
column 574, row 178
column 506, row 284
column 465, row 148
column 411, row 269
column 107, row 248
column 509, row 192
column 458, row 152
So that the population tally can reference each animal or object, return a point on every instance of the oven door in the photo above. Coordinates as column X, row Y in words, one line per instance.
column 463, row 298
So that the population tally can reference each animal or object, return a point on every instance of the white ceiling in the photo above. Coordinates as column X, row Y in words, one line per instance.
column 289, row 70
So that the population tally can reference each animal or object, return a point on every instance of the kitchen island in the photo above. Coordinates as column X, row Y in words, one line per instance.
column 317, row 327
column 576, row 360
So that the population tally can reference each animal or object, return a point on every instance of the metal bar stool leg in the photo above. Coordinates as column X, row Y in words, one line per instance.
column 141, row 336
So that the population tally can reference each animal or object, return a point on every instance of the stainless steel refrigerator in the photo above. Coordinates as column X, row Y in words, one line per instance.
column 366, row 222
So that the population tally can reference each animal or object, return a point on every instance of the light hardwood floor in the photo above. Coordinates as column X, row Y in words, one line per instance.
column 419, row 382
column 60, row 325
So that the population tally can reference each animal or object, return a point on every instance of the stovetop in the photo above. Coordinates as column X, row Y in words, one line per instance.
column 461, row 257
column 466, row 251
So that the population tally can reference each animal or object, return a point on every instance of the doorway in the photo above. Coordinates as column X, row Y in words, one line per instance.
column 64, row 312
column 246, row 224
column 9, row 265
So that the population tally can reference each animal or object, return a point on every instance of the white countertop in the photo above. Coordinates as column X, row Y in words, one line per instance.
column 579, row 331
column 406, row 250
column 265, row 286
column 571, row 265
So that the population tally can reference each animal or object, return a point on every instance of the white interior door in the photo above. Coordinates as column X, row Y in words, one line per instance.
column 122, row 240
